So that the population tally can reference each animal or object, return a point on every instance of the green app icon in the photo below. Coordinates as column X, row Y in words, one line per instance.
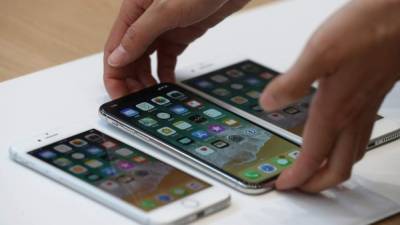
column 252, row 174
column 148, row 204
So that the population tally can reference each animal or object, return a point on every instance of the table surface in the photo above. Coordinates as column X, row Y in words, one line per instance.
column 42, row 33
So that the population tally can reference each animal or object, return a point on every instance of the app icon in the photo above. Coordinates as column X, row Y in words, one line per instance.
column 250, row 131
column 291, row 110
column 195, row 186
column 266, row 76
column 94, row 151
column 178, row 109
column 109, row 185
column 139, row 159
column 163, row 115
column 178, row 191
column 109, row 144
column 93, row 177
column 204, row 150
column 145, row 106
column 124, row 152
column 125, row 165
column 234, row 73
column 253, row 81
column 193, row 103
column 185, row 140
column 108, row 171
column 213, row 113
column 294, row 154
column 148, row 121
column 231, row 122
column 235, row 138
column 253, row 94
column 219, row 79
column 200, row 134
column 63, row 162
column 276, row 116
column 141, row 173
column 215, row 128
column 257, row 108
column 166, row 131
column 197, row 119
column 46, row 154
column 93, row 137
column 251, row 68
column 124, row 179
column 78, row 143
column 239, row 100
column 77, row 169
column 93, row 163
column 267, row 168
column 148, row 204
column 282, row 161
column 62, row 148
column 78, row 156
column 220, row 144
column 164, row 198
column 176, row 95
column 237, row 86
column 221, row 92
column 204, row 84
column 128, row 112
column 160, row 100
column 252, row 174
column 182, row 125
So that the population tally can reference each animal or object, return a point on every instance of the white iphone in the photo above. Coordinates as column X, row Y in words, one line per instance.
column 119, row 176
column 237, row 83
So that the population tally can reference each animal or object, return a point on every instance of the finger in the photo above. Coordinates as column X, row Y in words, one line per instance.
column 320, row 135
column 167, row 56
column 158, row 18
column 339, row 164
column 115, row 78
column 296, row 83
column 143, row 71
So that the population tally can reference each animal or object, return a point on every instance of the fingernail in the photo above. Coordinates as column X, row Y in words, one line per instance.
column 118, row 56
column 285, row 180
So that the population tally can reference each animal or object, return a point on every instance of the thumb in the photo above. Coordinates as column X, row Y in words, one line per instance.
column 295, row 84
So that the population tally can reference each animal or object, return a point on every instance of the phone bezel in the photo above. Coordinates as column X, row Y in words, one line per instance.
column 210, row 199
column 232, row 180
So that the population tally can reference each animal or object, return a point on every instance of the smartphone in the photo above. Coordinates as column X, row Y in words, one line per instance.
column 204, row 135
column 119, row 176
column 237, row 84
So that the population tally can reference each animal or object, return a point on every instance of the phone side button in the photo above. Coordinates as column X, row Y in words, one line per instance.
column 190, row 203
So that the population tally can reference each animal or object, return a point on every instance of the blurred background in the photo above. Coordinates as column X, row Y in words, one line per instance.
column 36, row 34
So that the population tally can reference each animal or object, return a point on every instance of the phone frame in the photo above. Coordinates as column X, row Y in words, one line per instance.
column 182, row 211
column 188, row 159
column 383, row 132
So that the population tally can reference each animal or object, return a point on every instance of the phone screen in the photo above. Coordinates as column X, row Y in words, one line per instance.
column 120, row 170
column 241, row 84
column 201, row 129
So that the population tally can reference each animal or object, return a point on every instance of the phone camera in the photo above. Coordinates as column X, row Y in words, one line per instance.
column 39, row 140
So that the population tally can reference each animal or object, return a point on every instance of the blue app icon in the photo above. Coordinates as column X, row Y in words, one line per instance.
column 178, row 109
column 200, row 134
column 94, row 151
column 108, row 171
column 129, row 112
column 47, row 154
column 267, row 168
column 164, row 198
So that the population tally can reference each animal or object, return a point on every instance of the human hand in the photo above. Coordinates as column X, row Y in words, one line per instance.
column 163, row 26
column 354, row 56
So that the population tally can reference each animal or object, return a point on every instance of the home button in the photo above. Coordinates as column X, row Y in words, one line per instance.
column 190, row 203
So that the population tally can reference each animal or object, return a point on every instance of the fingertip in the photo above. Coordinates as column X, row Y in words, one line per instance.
column 268, row 101
column 286, row 180
column 119, row 57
